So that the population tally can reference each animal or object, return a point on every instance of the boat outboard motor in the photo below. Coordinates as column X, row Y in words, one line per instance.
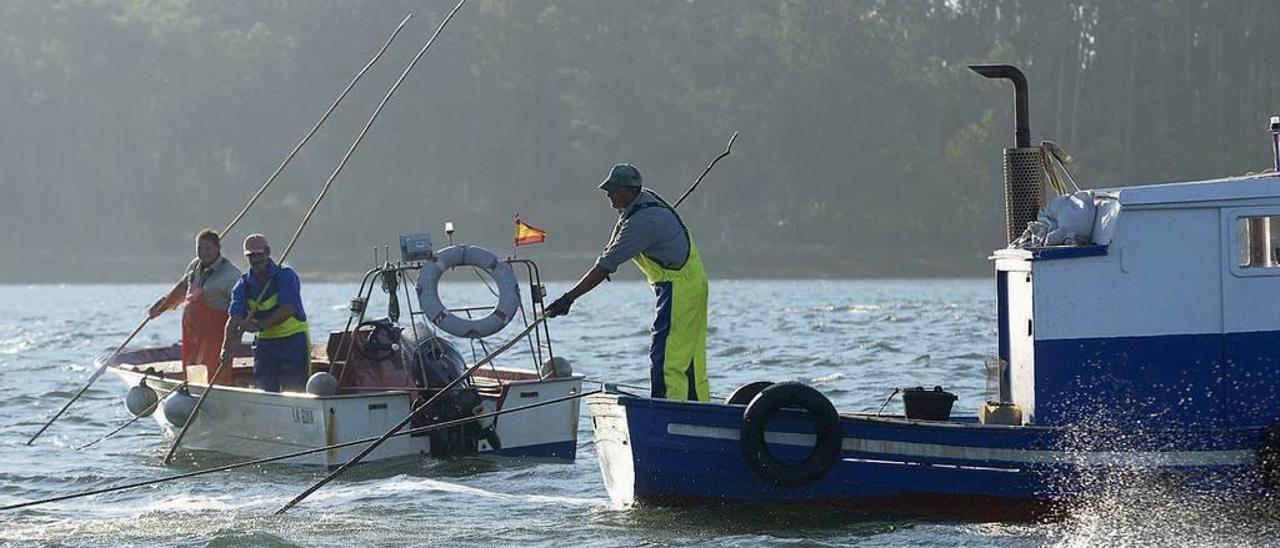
column 435, row 363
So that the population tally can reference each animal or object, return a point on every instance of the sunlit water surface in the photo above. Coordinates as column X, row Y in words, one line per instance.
column 854, row 340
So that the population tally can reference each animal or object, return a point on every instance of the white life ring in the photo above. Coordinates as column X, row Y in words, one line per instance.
column 479, row 257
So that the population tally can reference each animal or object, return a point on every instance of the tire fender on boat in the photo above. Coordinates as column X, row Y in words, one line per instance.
column 747, row 392
column 468, row 255
column 826, row 424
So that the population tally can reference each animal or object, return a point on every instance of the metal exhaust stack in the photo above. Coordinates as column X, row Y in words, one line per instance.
column 1024, row 178
column 1275, row 141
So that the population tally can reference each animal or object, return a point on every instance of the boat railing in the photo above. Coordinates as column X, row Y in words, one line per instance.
column 393, row 277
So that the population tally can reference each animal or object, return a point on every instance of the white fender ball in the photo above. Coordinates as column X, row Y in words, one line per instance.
column 322, row 384
column 141, row 400
column 178, row 407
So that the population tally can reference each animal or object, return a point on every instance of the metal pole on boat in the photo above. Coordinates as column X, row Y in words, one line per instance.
column 392, row 432
column 237, row 218
column 708, row 170
column 177, row 440
column 1275, row 142
column 92, row 378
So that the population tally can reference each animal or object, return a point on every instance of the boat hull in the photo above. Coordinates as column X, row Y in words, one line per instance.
column 251, row 423
column 672, row 452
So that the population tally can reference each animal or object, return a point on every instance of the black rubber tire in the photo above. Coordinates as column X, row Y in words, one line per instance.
column 747, row 392
column 1268, row 458
column 826, row 422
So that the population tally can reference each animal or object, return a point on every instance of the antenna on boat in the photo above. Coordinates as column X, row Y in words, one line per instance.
column 1024, row 177
column 448, row 230
column 1275, row 142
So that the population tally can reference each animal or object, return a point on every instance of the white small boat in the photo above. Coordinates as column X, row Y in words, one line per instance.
column 377, row 373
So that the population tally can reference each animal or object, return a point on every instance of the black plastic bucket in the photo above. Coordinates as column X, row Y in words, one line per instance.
column 928, row 405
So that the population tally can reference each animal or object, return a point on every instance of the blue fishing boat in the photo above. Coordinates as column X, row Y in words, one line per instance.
column 1136, row 338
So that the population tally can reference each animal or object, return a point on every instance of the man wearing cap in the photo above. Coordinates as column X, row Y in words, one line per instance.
column 651, row 234
column 267, row 301
column 204, row 291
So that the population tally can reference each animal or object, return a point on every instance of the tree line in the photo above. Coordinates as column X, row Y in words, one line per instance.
column 867, row 149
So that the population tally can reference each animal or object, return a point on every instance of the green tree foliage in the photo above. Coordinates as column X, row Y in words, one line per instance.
column 867, row 148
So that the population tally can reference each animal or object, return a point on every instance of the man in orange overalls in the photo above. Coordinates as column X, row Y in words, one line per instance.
column 205, row 289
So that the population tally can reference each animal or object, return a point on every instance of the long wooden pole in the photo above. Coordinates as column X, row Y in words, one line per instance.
column 92, row 378
column 316, row 127
column 233, row 222
column 177, row 440
column 705, row 171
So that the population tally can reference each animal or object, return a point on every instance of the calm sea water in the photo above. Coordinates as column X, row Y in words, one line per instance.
column 854, row 340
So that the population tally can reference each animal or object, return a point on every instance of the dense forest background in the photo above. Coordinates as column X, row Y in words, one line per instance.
column 867, row 149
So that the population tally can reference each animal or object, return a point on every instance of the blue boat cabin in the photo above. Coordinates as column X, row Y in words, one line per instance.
column 1168, row 320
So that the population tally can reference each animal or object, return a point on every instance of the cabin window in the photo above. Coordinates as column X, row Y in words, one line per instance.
column 1258, row 241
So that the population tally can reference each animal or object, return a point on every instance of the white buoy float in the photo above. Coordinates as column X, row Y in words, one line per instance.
column 557, row 368
column 178, row 407
column 322, row 383
column 141, row 400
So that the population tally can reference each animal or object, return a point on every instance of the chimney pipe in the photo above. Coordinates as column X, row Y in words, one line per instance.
column 1024, row 177
column 1022, row 124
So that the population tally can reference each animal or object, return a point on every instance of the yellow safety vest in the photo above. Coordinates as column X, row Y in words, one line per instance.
column 290, row 326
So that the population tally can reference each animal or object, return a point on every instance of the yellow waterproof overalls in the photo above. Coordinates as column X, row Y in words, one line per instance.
column 678, row 354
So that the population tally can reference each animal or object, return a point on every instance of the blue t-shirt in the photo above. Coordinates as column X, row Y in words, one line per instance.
column 285, row 285
column 655, row 231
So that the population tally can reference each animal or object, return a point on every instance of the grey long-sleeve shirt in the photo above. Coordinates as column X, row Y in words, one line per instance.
column 655, row 231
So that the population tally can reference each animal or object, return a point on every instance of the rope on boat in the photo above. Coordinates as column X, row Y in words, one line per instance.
column 145, row 412
column 617, row 385
column 355, row 144
column 409, row 432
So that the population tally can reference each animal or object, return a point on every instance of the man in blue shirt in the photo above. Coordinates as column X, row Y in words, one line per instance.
column 650, row 234
column 281, row 350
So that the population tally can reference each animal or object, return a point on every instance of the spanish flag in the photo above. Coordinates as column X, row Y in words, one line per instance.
column 528, row 234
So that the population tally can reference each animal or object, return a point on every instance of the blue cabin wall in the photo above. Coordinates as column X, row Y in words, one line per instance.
column 1251, row 322
column 1153, row 330
column 1134, row 336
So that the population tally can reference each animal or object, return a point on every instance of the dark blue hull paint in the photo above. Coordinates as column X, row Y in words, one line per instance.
column 687, row 451
column 567, row 450
column 1205, row 381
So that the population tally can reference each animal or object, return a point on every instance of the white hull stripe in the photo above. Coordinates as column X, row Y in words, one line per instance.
column 900, row 449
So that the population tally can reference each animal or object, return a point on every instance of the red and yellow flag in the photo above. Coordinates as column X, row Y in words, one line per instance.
column 528, row 234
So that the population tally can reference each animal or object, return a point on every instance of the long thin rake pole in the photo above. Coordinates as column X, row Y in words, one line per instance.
column 314, row 205
column 106, row 361
column 708, row 170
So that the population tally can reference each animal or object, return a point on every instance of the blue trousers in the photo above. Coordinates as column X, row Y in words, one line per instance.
column 281, row 364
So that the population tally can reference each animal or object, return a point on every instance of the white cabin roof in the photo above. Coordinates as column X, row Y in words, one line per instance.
column 1215, row 190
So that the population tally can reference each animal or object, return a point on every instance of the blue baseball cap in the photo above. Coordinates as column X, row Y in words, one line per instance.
column 622, row 176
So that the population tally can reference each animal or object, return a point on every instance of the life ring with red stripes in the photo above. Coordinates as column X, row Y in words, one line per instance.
column 468, row 255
